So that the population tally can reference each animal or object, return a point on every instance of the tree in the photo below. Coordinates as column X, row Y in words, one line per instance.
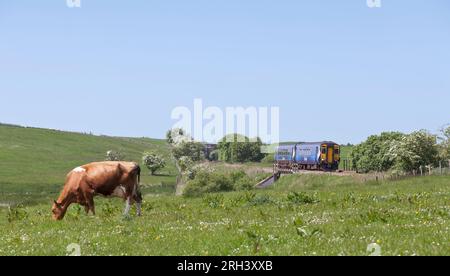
column 153, row 162
column 414, row 150
column 444, row 143
column 114, row 156
column 372, row 155
column 187, row 167
column 176, row 136
column 238, row 148
column 191, row 149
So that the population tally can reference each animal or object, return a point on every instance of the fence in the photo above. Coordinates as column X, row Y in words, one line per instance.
column 346, row 165
column 443, row 168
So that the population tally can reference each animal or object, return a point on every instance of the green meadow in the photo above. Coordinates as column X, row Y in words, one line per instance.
column 300, row 215
column 34, row 162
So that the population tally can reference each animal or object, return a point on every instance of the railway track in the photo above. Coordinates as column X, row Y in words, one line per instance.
column 269, row 181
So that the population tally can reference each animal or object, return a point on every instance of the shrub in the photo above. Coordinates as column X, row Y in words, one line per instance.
column 191, row 149
column 213, row 182
column 261, row 199
column 176, row 136
column 16, row 214
column 301, row 198
column 114, row 156
column 153, row 162
column 214, row 155
column 394, row 150
column 269, row 158
column 240, row 149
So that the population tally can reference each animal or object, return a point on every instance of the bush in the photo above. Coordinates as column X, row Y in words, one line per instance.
column 176, row 135
column 214, row 155
column 270, row 159
column 193, row 150
column 414, row 150
column 261, row 199
column 402, row 153
column 153, row 162
column 214, row 182
column 372, row 155
column 240, row 149
column 114, row 156
column 301, row 198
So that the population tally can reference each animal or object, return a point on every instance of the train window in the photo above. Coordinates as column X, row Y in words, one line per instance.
column 324, row 151
column 336, row 151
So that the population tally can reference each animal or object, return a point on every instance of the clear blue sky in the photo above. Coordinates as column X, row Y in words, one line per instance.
column 120, row 67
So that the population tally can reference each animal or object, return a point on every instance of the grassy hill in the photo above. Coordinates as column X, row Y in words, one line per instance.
column 300, row 215
column 34, row 162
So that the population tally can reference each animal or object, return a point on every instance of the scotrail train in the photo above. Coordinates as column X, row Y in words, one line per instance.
column 307, row 156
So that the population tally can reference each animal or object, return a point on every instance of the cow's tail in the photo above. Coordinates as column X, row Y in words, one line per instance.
column 138, row 173
column 137, row 190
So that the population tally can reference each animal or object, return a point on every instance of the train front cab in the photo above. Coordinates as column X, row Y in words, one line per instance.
column 284, row 159
column 330, row 156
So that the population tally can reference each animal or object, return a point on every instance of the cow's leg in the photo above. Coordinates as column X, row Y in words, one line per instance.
column 86, row 208
column 127, row 206
column 138, row 209
column 138, row 200
column 90, row 203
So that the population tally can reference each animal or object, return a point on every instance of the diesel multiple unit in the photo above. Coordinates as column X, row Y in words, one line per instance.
column 307, row 156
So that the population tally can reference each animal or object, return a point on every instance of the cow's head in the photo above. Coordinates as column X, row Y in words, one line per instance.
column 58, row 211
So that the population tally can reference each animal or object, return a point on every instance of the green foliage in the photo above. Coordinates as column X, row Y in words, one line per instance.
column 214, row 155
column 187, row 167
column 269, row 158
column 372, row 155
column 114, row 156
column 34, row 162
column 301, row 198
column 261, row 199
column 153, row 161
column 214, row 200
column 396, row 151
column 191, row 149
column 16, row 214
column 174, row 136
column 414, row 150
column 213, row 182
column 240, row 149
column 184, row 145
column 406, row 217
column 444, row 145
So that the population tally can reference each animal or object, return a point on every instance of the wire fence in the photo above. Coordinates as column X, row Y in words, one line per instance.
column 442, row 168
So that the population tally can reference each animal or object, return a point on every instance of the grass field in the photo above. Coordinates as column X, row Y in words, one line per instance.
column 301, row 215
column 34, row 162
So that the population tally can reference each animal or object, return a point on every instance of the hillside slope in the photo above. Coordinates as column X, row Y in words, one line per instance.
column 34, row 162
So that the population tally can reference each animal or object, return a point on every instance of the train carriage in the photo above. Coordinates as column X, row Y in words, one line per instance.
column 308, row 156
column 284, row 158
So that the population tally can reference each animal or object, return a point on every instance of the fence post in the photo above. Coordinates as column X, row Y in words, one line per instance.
column 421, row 171
column 429, row 169
column 440, row 167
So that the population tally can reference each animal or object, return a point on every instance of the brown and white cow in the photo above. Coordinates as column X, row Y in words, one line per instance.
column 110, row 179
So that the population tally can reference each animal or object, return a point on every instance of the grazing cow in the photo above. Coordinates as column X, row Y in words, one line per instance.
column 109, row 179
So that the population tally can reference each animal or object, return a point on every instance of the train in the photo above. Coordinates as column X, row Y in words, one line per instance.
column 324, row 156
